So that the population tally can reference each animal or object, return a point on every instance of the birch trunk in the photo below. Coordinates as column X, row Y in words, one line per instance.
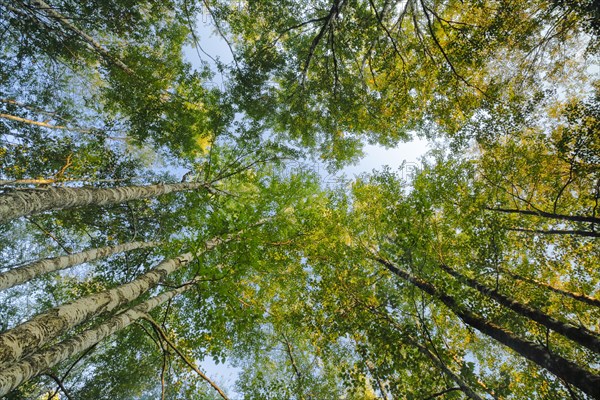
column 564, row 369
column 41, row 361
column 29, row 271
column 577, row 334
column 574, row 295
column 27, row 337
column 27, row 202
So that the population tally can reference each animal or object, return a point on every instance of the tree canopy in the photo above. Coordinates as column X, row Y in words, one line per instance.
column 151, row 220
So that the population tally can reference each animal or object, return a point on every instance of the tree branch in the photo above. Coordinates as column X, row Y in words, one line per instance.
column 190, row 363
column 43, row 124
column 48, row 233
column 221, row 33
column 60, row 386
column 443, row 392
column 441, row 49
column 540, row 213
column 333, row 12
column 91, row 42
column 557, row 232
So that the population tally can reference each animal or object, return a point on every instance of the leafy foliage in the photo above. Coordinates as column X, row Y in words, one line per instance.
column 360, row 290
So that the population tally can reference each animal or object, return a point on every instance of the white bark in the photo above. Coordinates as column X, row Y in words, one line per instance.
column 29, row 271
column 41, row 361
column 27, row 337
column 33, row 201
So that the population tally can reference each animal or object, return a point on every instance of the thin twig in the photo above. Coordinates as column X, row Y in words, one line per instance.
column 60, row 386
column 48, row 233
column 190, row 363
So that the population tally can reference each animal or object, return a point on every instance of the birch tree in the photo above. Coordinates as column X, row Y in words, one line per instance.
column 441, row 225
column 564, row 369
column 379, row 288
column 38, row 362
column 23, row 273
column 27, row 202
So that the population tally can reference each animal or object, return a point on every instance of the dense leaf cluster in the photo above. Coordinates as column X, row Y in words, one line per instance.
column 476, row 277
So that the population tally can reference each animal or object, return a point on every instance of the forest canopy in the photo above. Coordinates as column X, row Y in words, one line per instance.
column 151, row 220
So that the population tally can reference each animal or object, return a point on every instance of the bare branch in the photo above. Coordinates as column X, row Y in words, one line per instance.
column 540, row 213
column 557, row 232
column 333, row 12
column 60, row 386
column 221, row 33
column 43, row 124
column 49, row 234
column 159, row 330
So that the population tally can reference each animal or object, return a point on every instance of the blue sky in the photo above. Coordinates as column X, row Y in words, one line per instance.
column 375, row 158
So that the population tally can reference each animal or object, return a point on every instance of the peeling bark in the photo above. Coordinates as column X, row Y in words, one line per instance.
column 27, row 337
column 33, row 201
column 39, row 362
column 29, row 271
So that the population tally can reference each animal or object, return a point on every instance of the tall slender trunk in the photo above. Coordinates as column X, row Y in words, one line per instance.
column 26, row 272
column 408, row 339
column 27, row 337
column 577, row 296
column 53, row 180
column 464, row 387
column 578, row 334
column 43, row 360
column 557, row 232
column 539, row 213
column 33, row 201
column 564, row 369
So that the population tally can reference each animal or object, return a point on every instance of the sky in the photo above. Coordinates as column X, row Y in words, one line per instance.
column 376, row 157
